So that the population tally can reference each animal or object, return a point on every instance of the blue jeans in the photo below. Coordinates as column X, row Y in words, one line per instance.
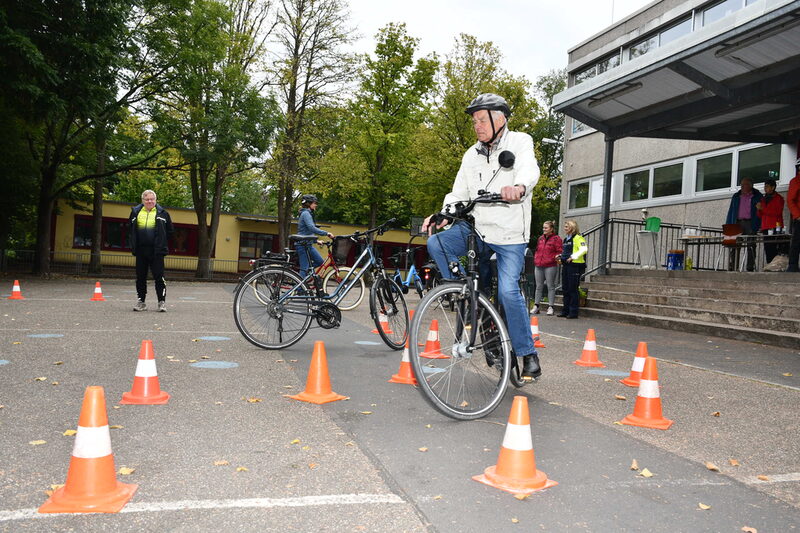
column 446, row 247
column 316, row 259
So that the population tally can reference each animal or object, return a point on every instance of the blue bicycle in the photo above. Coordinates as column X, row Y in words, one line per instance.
column 412, row 277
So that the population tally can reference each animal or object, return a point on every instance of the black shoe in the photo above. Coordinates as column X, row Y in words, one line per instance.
column 562, row 315
column 530, row 367
column 576, row 316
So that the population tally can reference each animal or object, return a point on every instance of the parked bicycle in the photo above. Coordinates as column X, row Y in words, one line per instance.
column 468, row 378
column 273, row 306
column 329, row 271
column 412, row 277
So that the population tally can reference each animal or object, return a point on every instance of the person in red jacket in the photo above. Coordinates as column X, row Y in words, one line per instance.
column 793, row 199
column 548, row 247
column 770, row 211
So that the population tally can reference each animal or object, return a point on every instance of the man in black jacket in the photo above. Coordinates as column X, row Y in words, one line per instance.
column 151, row 227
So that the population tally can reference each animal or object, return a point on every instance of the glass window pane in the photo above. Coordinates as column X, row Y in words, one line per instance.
column 714, row 173
column 114, row 235
column 579, row 195
column 676, row 31
column 760, row 164
column 668, row 181
column 642, row 47
column 578, row 126
column 596, row 193
column 585, row 74
column 723, row 9
column 635, row 186
column 608, row 64
column 82, row 233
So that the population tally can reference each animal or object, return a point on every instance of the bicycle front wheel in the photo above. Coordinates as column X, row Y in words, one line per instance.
column 353, row 297
column 263, row 316
column 461, row 379
column 390, row 313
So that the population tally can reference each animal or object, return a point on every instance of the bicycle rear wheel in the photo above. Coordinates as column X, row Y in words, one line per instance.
column 353, row 297
column 262, row 317
column 386, row 299
column 463, row 381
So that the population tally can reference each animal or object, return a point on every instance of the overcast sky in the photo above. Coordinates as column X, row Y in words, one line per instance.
column 533, row 35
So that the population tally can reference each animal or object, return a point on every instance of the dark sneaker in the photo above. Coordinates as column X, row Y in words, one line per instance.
column 530, row 367
column 162, row 306
column 140, row 306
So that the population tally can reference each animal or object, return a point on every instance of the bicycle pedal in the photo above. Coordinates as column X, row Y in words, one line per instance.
column 529, row 379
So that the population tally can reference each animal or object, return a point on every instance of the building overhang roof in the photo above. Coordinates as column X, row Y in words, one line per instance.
column 737, row 80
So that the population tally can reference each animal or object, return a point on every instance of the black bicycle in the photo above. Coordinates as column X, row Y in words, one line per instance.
column 469, row 376
column 273, row 306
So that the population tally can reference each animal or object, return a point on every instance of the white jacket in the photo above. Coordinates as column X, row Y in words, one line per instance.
column 498, row 223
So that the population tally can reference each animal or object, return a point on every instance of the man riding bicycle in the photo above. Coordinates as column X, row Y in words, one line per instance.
column 502, row 228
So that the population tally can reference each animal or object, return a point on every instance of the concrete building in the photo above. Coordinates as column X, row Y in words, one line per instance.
column 681, row 100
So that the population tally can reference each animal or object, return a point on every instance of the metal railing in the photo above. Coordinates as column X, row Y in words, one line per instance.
column 623, row 245
column 115, row 265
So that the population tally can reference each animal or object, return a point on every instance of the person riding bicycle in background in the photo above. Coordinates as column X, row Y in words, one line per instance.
column 307, row 226
column 502, row 228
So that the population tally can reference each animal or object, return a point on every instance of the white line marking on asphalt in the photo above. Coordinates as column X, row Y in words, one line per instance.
column 687, row 365
column 775, row 478
column 262, row 503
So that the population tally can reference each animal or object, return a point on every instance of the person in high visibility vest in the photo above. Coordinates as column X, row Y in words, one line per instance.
column 573, row 265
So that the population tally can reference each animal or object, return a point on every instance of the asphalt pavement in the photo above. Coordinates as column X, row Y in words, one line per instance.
column 230, row 452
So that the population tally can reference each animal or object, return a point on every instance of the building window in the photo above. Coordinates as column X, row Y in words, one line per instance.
column 636, row 186
column 677, row 31
column 116, row 238
column 720, row 10
column 642, row 47
column 714, row 173
column 760, row 164
column 579, row 127
column 82, row 232
column 579, row 195
column 668, row 181
column 115, row 235
column 607, row 63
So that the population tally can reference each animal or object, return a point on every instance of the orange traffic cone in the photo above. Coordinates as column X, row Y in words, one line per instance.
column 433, row 350
column 638, row 365
column 589, row 355
column 318, row 384
column 91, row 485
column 383, row 320
column 98, row 294
column 647, row 411
column 16, row 294
column 406, row 373
column 537, row 340
column 515, row 470
column 145, row 390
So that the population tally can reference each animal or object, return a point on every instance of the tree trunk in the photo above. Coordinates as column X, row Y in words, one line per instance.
column 199, row 178
column 95, row 264
column 41, row 260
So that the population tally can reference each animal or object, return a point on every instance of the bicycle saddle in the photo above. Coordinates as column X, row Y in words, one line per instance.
column 303, row 238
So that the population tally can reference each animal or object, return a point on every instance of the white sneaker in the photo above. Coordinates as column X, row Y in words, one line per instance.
column 162, row 306
column 535, row 310
column 140, row 306
column 550, row 311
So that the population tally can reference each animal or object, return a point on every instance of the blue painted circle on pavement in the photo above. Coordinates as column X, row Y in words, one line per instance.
column 45, row 335
column 431, row 370
column 214, row 364
column 369, row 343
column 607, row 372
column 214, row 338
column 4, row 362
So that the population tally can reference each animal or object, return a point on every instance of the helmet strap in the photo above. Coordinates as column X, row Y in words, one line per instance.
column 495, row 133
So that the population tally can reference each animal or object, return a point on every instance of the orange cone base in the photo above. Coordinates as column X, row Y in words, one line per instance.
column 318, row 398
column 434, row 355
column 538, row 344
column 158, row 399
column 513, row 485
column 404, row 375
column 581, row 362
column 630, row 382
column 111, row 502
column 633, row 420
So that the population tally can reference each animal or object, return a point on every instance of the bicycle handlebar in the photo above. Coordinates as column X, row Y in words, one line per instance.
column 460, row 210
column 380, row 230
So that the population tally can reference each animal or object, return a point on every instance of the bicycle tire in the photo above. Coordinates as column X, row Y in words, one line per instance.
column 463, row 386
column 386, row 298
column 261, row 319
column 354, row 296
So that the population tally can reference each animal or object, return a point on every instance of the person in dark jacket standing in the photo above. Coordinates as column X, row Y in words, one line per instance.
column 743, row 211
column 573, row 265
column 150, row 230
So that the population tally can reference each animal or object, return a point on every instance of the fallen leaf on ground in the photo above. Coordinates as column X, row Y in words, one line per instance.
column 204, row 357
column 366, row 412
column 217, row 403
column 749, row 529
column 59, row 363
column 428, row 426
column 116, row 426
column 295, row 441
column 763, row 477
column 56, row 486
column 279, row 361
column 312, row 466
column 54, row 383
column 40, row 379
column 646, row 473
column 170, row 356
column 634, row 465
column 253, row 400
column 606, row 379
column 223, row 462
column 16, row 342
column 423, row 449
column 620, row 397
column 704, row 506
column 242, row 469
column 292, row 360
column 288, row 386
column 465, row 403
column 306, row 447
column 733, row 462
column 515, row 520
column 69, row 432
column 37, row 442
column 788, row 374
column 349, row 443
column 192, row 360
column 437, row 497
column 521, row 497
column 554, row 403
column 716, row 413
column 711, row 466
column 125, row 471
column 617, row 423
column 195, row 340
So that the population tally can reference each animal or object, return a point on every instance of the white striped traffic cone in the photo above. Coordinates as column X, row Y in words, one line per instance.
column 145, row 390
column 406, row 374
column 98, row 293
